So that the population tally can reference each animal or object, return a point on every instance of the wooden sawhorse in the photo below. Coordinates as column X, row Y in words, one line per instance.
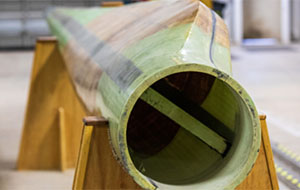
column 55, row 144
column 97, row 167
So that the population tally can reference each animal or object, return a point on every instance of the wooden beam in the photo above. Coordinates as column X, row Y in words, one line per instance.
column 62, row 137
column 85, row 144
column 112, row 3
column 263, row 174
column 95, row 121
column 194, row 109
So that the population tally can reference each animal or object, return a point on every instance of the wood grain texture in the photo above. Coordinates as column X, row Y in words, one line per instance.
column 102, row 169
column 83, row 157
column 62, row 138
column 104, row 172
column 50, row 90
column 263, row 174
column 269, row 153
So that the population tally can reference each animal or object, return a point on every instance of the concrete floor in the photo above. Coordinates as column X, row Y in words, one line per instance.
column 271, row 77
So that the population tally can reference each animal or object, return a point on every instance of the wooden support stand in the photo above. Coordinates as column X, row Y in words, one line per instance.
column 263, row 174
column 98, row 169
column 52, row 126
column 52, row 131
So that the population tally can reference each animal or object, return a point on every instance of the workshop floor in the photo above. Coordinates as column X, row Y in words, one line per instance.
column 271, row 77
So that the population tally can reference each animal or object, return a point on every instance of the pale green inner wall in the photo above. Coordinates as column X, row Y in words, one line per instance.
column 187, row 159
column 233, row 166
column 241, row 150
column 221, row 104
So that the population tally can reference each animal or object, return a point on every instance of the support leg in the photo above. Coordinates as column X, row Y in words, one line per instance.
column 51, row 135
column 97, row 167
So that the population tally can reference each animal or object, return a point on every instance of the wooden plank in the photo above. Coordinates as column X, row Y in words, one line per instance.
column 62, row 139
column 112, row 3
column 184, row 119
column 269, row 153
column 263, row 174
column 259, row 176
column 102, row 170
column 80, row 172
column 95, row 121
column 208, row 3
